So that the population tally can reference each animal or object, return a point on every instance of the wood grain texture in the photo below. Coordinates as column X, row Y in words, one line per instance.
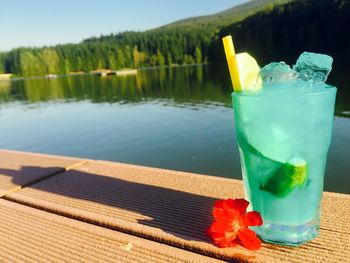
column 32, row 235
column 18, row 169
column 174, row 208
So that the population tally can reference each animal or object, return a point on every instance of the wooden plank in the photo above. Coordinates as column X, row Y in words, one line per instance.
column 174, row 208
column 18, row 169
column 32, row 235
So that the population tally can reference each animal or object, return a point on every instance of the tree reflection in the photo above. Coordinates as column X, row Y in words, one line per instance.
column 180, row 85
column 209, row 84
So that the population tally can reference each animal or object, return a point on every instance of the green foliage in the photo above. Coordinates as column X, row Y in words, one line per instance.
column 160, row 59
column 227, row 17
column 198, row 55
column 124, row 50
column 2, row 63
column 49, row 59
column 268, row 29
column 288, row 30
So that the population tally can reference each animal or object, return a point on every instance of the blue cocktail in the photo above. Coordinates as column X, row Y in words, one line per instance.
column 284, row 121
column 284, row 132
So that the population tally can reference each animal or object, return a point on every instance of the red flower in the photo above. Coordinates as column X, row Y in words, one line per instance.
column 231, row 224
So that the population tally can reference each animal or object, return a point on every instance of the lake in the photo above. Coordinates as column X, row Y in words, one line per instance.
column 176, row 118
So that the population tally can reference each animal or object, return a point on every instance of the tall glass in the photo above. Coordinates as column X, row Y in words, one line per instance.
column 283, row 138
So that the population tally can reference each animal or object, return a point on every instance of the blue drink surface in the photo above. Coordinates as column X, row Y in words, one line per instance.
column 284, row 133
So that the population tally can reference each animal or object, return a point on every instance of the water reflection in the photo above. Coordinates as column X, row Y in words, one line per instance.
column 5, row 91
column 180, row 85
column 177, row 86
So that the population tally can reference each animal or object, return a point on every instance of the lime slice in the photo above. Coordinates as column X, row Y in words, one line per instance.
column 248, row 72
column 286, row 176
column 292, row 174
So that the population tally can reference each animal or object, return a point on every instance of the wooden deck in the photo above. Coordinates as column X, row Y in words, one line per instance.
column 60, row 209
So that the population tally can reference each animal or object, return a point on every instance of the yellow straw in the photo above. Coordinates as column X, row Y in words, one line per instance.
column 232, row 62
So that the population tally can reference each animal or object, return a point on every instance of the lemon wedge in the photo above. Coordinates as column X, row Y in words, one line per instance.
column 243, row 68
column 248, row 72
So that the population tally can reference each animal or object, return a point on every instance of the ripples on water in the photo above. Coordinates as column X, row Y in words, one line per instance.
column 176, row 118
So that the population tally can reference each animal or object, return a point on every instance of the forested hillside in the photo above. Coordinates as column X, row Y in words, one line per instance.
column 229, row 16
column 268, row 29
column 288, row 30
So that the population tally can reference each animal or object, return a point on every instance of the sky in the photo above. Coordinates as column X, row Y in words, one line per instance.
column 48, row 22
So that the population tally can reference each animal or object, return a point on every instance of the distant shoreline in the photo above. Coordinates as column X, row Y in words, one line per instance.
column 94, row 72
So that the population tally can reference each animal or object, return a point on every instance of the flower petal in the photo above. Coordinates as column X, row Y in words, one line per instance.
column 219, row 214
column 226, row 243
column 219, row 204
column 218, row 227
column 239, row 205
column 234, row 215
column 249, row 239
column 252, row 218
column 215, row 236
column 230, row 235
column 228, row 204
column 220, row 239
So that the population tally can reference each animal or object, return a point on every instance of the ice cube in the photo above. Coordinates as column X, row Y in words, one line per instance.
column 277, row 72
column 313, row 66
